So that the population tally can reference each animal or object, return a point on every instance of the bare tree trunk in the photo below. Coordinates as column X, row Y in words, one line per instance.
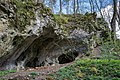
column 77, row 6
column 113, row 20
column 119, row 13
column 99, row 8
column 74, row 8
column 60, row 12
column 91, row 5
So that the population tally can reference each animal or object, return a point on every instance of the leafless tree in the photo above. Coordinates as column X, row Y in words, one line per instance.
column 114, row 18
column 74, row 8
column 77, row 6
column 60, row 12
column 119, row 13
column 91, row 5
column 99, row 8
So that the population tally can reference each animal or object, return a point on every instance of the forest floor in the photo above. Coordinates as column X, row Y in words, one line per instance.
column 61, row 70
column 38, row 73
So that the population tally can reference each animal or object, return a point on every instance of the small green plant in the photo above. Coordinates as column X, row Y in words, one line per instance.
column 5, row 72
column 33, row 74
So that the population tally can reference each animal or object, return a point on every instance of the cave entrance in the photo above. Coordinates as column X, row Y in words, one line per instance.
column 68, row 57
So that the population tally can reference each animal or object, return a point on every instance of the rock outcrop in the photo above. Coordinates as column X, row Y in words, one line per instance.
column 31, row 36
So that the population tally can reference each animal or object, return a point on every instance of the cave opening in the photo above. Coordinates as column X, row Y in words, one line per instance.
column 68, row 57
column 62, row 59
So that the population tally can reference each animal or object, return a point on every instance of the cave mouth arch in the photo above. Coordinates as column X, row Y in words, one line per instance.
column 62, row 59
column 68, row 57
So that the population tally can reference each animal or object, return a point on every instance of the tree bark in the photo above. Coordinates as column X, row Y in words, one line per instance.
column 113, row 20
column 99, row 8
column 74, row 8
column 91, row 5
column 77, row 6
column 119, row 13
column 60, row 12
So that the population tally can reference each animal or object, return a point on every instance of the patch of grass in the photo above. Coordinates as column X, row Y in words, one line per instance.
column 90, row 70
column 5, row 72
column 111, row 50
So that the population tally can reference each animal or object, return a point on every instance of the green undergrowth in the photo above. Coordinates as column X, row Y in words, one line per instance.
column 111, row 50
column 92, row 69
column 87, row 22
column 5, row 72
column 61, row 19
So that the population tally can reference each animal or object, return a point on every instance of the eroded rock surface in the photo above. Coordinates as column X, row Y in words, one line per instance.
column 38, row 43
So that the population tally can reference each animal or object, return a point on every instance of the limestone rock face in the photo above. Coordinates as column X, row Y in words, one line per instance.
column 11, row 35
column 40, row 40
